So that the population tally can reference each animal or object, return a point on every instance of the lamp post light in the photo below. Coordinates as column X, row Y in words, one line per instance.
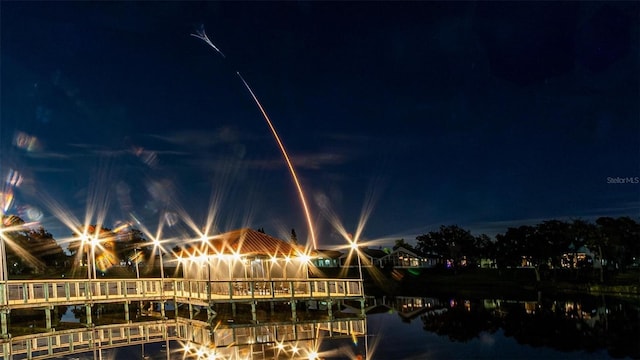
column 93, row 256
column 5, row 270
column 135, row 260
column 158, row 246
column 161, row 264
column 206, row 257
column 354, row 247
column 138, row 284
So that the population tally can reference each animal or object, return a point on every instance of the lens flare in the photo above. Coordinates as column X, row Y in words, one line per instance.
column 26, row 142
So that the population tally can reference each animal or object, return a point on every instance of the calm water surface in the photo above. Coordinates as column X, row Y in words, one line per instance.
column 571, row 327
column 583, row 327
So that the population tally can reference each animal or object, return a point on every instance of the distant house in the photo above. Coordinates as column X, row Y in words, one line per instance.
column 369, row 257
column 574, row 258
column 403, row 258
column 327, row 258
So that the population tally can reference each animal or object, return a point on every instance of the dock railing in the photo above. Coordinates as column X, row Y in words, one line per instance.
column 51, row 292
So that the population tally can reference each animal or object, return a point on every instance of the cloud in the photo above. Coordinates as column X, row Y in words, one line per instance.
column 200, row 138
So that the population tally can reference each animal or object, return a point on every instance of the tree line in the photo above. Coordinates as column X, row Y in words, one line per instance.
column 33, row 250
column 612, row 244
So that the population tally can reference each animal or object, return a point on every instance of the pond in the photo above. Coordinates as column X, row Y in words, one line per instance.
column 450, row 328
column 439, row 327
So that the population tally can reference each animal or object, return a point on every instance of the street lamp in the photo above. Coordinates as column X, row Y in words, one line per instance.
column 94, row 242
column 135, row 260
column 5, row 271
column 354, row 247
column 157, row 245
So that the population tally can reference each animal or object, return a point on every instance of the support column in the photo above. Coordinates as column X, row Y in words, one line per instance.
column 294, row 315
column 211, row 314
column 330, row 308
column 233, row 309
column 88, row 312
column 162, row 309
column 254, row 315
column 362, row 309
column 3, row 322
column 126, row 311
column 190, row 311
column 272, row 306
column 47, row 317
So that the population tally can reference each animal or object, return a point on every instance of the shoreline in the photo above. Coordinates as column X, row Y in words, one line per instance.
column 517, row 283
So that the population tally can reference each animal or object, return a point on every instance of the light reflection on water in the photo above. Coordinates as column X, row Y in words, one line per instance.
column 583, row 327
column 408, row 341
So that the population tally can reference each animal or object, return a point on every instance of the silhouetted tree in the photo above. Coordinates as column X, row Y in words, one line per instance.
column 29, row 249
column 452, row 242
column 511, row 246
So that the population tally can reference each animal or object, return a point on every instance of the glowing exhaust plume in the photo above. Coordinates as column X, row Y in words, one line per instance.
column 203, row 36
column 286, row 158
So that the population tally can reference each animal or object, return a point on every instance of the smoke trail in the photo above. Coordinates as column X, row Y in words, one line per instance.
column 200, row 34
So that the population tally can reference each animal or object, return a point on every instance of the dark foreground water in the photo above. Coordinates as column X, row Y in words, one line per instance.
column 567, row 327
column 571, row 327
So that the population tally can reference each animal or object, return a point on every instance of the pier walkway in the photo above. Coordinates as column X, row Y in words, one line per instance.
column 16, row 294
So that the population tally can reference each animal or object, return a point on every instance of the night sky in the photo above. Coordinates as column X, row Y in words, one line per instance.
column 485, row 115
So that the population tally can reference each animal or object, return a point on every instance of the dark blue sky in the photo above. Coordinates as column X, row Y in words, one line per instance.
column 485, row 115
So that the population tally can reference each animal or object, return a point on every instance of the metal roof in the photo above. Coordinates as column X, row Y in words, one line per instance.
column 250, row 242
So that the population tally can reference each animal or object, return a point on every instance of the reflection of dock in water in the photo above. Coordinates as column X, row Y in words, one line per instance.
column 407, row 307
column 250, row 341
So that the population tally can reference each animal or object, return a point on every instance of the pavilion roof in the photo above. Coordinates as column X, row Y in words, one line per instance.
column 250, row 242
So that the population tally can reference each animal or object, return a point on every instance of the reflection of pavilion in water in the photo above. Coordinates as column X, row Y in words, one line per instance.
column 187, row 338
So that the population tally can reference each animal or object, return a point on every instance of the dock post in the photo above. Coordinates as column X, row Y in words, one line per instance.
column 294, row 315
column 3, row 322
column 47, row 317
column 126, row 311
column 88, row 311
column 254, row 316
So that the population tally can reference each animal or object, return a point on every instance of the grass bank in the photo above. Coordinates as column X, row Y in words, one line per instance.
column 513, row 283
